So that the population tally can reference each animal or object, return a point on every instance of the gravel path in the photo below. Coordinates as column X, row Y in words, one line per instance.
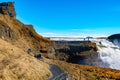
column 57, row 73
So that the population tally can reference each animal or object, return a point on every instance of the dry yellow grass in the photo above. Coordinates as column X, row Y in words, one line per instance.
column 22, row 38
column 15, row 64
column 84, row 72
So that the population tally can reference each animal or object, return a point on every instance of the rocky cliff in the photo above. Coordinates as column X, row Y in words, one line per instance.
column 19, row 34
column 80, row 52
column 115, row 38
column 7, row 8
column 16, row 39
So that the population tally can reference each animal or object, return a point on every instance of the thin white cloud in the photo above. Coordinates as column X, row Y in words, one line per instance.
column 84, row 30
column 73, row 33
column 70, row 34
column 50, row 34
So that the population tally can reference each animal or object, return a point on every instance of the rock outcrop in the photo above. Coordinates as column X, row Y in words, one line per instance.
column 7, row 8
column 115, row 38
column 5, row 31
column 80, row 52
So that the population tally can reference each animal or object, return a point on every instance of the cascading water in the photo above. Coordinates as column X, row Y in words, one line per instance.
column 109, row 53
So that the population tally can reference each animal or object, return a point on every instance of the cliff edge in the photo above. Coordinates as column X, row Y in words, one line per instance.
column 15, row 40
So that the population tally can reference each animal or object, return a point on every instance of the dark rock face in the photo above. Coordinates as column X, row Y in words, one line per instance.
column 115, row 38
column 5, row 31
column 7, row 8
column 80, row 52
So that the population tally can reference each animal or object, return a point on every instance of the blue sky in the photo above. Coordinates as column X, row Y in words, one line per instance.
column 70, row 17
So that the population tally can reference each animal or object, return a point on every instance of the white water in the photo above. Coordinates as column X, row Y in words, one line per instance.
column 109, row 53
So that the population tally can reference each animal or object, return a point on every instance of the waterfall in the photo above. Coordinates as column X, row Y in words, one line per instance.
column 109, row 53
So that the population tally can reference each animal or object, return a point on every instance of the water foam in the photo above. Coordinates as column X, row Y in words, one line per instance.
column 109, row 53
